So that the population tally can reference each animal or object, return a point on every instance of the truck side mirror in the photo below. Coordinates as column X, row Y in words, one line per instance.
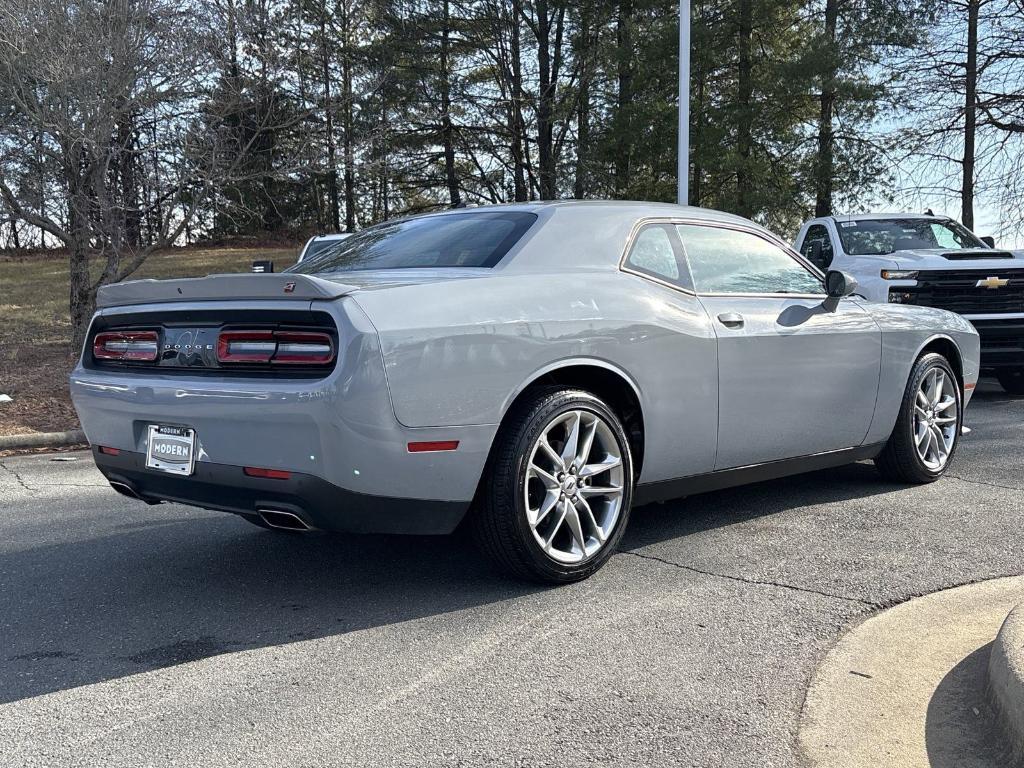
column 989, row 241
column 262, row 266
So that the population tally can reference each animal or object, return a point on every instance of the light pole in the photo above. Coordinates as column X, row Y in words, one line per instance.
column 683, row 166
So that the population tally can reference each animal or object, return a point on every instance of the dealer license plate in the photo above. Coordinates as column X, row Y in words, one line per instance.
column 171, row 449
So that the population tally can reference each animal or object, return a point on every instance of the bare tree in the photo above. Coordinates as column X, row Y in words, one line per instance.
column 110, row 104
column 964, row 93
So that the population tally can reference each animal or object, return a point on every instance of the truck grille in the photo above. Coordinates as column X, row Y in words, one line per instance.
column 960, row 292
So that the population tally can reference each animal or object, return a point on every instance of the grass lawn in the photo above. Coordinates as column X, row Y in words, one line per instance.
column 35, row 329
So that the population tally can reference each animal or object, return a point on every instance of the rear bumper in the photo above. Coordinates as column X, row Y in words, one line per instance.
column 319, row 503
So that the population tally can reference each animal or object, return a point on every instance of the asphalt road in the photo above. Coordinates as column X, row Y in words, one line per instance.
column 135, row 635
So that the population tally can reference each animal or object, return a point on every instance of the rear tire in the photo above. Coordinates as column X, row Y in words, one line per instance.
column 1011, row 380
column 927, row 432
column 555, row 516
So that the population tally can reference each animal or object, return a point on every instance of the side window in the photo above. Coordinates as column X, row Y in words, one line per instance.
column 653, row 253
column 731, row 261
column 817, row 233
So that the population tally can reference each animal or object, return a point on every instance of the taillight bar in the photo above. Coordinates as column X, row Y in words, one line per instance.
column 140, row 346
column 275, row 347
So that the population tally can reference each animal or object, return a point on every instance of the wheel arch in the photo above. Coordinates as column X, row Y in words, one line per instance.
column 945, row 346
column 602, row 379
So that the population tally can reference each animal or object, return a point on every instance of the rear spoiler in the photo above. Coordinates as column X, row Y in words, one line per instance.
column 234, row 287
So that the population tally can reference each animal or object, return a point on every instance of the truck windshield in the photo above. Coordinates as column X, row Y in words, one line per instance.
column 873, row 237
column 477, row 239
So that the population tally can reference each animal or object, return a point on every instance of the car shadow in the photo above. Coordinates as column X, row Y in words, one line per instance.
column 167, row 588
column 655, row 523
column 185, row 588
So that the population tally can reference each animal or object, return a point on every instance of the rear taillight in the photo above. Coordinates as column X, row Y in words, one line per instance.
column 126, row 345
column 275, row 347
column 303, row 347
column 246, row 346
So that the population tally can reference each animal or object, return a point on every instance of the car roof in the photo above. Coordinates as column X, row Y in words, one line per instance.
column 884, row 216
column 639, row 208
column 333, row 236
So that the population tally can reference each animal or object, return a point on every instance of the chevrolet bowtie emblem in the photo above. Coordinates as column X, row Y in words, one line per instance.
column 991, row 282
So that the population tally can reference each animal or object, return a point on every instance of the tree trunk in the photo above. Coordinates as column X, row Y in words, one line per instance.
column 518, row 138
column 82, row 296
column 744, row 126
column 583, row 107
column 332, row 157
column 447, row 129
column 621, row 120
column 545, row 101
column 697, row 120
column 348, row 117
column 825, row 169
column 970, row 115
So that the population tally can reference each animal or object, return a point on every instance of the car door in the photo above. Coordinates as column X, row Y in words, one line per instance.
column 798, row 375
column 674, row 358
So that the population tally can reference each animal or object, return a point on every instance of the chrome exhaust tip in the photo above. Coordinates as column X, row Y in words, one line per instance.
column 284, row 521
column 124, row 489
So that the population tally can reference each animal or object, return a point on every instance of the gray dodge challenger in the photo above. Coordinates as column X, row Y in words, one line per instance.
column 535, row 370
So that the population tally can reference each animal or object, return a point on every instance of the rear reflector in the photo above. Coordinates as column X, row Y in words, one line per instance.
column 275, row 347
column 273, row 474
column 110, row 451
column 436, row 445
column 125, row 345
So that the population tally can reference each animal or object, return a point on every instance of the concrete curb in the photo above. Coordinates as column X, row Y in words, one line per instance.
column 42, row 440
column 1006, row 680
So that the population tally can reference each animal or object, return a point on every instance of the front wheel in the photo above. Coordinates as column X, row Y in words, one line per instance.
column 927, row 430
column 558, row 488
column 1012, row 380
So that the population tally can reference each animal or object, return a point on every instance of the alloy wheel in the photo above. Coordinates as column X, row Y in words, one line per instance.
column 936, row 419
column 574, row 486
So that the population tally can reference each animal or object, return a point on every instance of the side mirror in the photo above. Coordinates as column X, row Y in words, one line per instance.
column 839, row 284
column 262, row 266
column 989, row 241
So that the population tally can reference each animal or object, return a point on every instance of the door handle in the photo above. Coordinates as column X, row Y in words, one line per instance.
column 731, row 320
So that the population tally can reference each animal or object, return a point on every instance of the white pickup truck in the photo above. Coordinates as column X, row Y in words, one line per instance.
column 933, row 261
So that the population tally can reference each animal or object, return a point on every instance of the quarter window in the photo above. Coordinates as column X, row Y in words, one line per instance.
column 654, row 253
column 732, row 261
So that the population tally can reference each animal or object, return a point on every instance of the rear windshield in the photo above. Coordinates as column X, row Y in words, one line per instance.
column 876, row 237
column 319, row 246
column 477, row 239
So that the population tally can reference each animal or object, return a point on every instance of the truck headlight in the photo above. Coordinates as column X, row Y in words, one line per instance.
column 899, row 274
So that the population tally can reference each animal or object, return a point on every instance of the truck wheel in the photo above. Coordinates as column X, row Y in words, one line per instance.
column 927, row 430
column 1012, row 380
column 558, row 488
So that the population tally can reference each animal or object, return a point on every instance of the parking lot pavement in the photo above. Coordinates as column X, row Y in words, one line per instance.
column 164, row 635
